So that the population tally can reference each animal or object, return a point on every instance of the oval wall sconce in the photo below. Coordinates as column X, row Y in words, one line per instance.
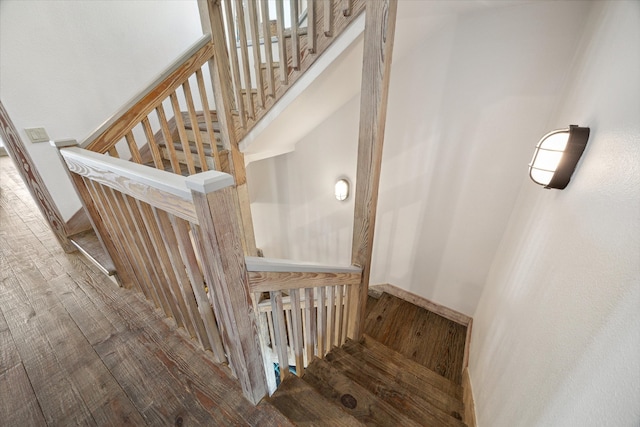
column 341, row 189
column 557, row 155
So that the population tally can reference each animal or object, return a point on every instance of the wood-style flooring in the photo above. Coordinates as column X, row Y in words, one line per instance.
column 77, row 350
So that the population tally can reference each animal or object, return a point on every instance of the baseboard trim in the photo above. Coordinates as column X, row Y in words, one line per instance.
column 467, row 400
column 433, row 307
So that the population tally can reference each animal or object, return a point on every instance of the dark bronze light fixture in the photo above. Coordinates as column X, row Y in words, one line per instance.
column 557, row 155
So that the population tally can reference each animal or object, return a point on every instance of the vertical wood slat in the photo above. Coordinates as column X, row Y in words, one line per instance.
column 113, row 152
column 346, row 7
column 322, row 322
column 346, row 315
column 295, row 40
column 170, row 279
column 141, row 262
column 208, row 120
column 380, row 20
column 327, row 19
column 282, row 47
column 265, row 342
column 151, row 140
column 148, row 252
column 234, row 62
column 280, row 333
column 310, row 321
column 102, row 225
column 339, row 316
column 99, row 194
column 219, row 241
column 311, row 26
column 255, row 43
column 168, row 139
column 244, row 52
column 331, row 316
column 183, row 269
column 296, row 324
column 195, row 126
column 133, row 147
column 182, row 133
column 181, row 229
column 266, row 31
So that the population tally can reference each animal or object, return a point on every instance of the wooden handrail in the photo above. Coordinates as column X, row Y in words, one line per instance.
column 167, row 77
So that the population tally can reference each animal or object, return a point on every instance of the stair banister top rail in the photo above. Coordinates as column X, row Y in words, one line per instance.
column 165, row 190
column 271, row 274
column 167, row 81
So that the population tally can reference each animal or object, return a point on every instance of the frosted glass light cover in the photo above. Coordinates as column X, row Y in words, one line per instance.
column 342, row 189
column 547, row 156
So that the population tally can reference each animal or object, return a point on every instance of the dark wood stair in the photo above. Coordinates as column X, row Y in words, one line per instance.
column 367, row 382
column 403, row 372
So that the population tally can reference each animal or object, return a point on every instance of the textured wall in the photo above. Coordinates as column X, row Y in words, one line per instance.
column 556, row 335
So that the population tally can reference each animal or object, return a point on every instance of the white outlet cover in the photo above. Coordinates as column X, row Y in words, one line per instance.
column 37, row 134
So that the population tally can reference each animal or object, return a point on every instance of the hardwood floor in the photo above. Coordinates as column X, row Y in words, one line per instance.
column 77, row 350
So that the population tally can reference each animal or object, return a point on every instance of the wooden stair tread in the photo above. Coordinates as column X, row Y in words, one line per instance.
column 440, row 410
column 304, row 406
column 90, row 246
column 353, row 398
column 404, row 370
column 429, row 332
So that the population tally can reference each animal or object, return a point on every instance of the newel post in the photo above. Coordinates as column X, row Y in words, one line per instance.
column 379, row 31
column 219, row 240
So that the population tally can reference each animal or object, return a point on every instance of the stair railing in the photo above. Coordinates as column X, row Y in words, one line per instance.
column 270, row 45
column 303, row 311
column 176, row 240
column 171, row 108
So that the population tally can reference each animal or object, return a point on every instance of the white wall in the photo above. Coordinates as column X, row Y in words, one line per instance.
column 471, row 93
column 68, row 65
column 556, row 335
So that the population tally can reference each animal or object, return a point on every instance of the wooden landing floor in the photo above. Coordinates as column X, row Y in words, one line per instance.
column 76, row 350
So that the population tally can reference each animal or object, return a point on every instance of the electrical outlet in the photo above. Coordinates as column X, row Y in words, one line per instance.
column 37, row 134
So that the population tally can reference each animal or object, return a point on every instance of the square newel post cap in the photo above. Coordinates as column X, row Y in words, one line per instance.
column 209, row 182
column 62, row 143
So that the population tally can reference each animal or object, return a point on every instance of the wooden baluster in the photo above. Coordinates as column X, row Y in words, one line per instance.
column 255, row 42
column 282, row 47
column 208, row 120
column 331, row 316
column 296, row 323
column 168, row 140
column 235, row 63
column 310, row 321
column 346, row 316
column 189, row 255
column 153, row 146
column 272, row 333
column 244, row 51
column 280, row 333
column 287, row 318
column 133, row 148
column 182, row 133
column 130, row 249
column 347, row 7
column 322, row 322
column 339, row 316
column 219, row 240
column 103, row 225
column 113, row 152
column 311, row 26
column 266, row 31
column 183, row 268
column 327, row 19
column 265, row 341
column 195, row 126
column 170, row 281
column 150, row 251
column 295, row 40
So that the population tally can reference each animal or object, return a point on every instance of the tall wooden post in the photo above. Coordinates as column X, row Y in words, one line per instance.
column 218, row 239
column 34, row 182
column 223, row 93
column 378, row 47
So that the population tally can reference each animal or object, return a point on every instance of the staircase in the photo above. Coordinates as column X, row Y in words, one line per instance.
column 367, row 382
